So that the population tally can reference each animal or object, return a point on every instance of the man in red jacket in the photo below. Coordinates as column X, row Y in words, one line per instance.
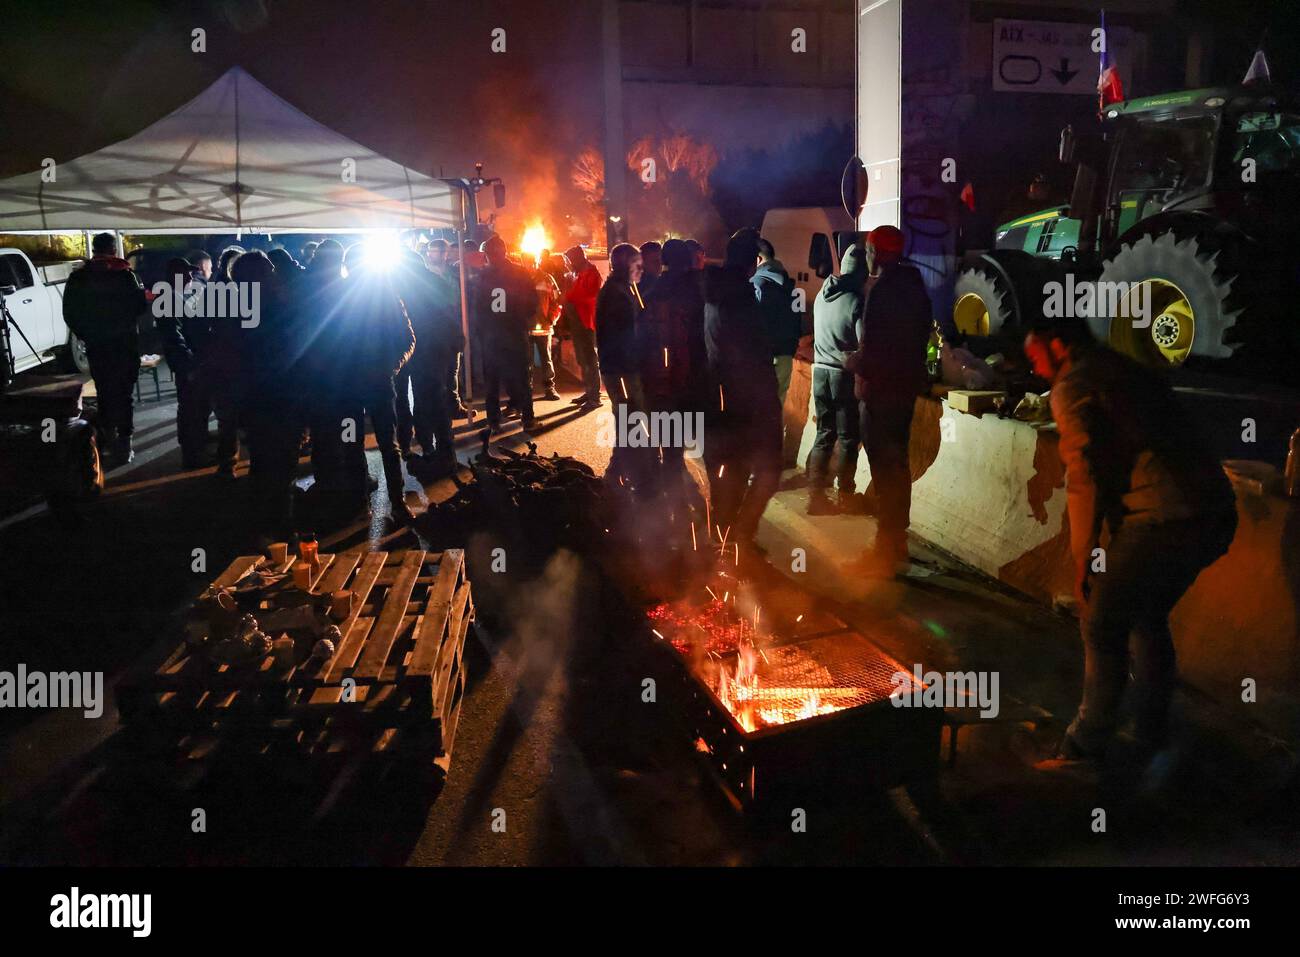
column 582, row 296
column 102, row 303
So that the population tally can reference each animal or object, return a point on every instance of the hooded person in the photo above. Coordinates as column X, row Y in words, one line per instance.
column 889, row 373
column 775, row 292
column 102, row 303
column 505, row 302
column 743, row 446
column 837, row 326
column 581, row 297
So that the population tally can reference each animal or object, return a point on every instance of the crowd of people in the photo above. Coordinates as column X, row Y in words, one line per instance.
column 349, row 339
column 344, row 339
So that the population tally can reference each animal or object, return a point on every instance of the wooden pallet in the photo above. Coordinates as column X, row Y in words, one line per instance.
column 393, row 687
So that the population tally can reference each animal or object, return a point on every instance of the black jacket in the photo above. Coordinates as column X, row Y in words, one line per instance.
column 512, row 289
column 618, row 310
column 102, row 303
column 379, row 335
column 183, row 328
column 433, row 306
column 775, row 291
column 740, row 362
column 319, row 307
column 896, row 327
column 673, row 320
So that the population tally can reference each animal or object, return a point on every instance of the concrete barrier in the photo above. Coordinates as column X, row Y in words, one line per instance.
column 991, row 492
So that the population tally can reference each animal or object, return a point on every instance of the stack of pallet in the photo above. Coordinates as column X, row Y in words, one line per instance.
column 392, row 689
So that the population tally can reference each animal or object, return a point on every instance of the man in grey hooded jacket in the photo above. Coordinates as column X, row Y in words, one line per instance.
column 837, row 332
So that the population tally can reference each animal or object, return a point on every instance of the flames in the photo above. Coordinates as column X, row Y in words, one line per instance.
column 757, row 705
column 535, row 240
column 724, row 650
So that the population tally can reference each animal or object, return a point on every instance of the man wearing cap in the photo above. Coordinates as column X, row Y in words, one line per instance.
column 889, row 369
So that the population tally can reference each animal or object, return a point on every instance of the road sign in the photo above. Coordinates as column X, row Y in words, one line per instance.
column 1034, row 56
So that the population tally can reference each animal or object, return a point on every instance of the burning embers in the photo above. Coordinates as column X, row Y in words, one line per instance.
column 765, row 680
column 781, row 709
column 747, row 691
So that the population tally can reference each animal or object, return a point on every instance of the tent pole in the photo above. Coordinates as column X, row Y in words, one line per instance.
column 464, row 301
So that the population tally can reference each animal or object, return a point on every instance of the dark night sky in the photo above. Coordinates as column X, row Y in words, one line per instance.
column 413, row 80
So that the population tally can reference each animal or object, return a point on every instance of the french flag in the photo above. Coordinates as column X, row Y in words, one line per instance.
column 1109, row 87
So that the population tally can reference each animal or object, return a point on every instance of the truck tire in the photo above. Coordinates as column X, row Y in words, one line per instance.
column 74, row 356
column 1193, row 275
column 982, row 302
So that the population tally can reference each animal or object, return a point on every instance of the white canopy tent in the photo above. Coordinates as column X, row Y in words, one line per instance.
column 234, row 158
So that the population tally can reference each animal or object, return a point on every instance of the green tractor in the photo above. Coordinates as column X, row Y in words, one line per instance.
column 1187, row 203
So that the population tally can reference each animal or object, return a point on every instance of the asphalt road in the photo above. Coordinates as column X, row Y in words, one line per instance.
column 557, row 759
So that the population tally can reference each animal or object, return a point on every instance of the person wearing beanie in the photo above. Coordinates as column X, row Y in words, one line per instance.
column 837, row 318
column 889, row 371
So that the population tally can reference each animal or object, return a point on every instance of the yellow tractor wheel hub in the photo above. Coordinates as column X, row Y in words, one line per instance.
column 1155, row 324
column 970, row 315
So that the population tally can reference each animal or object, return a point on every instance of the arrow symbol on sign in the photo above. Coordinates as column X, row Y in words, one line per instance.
column 1063, row 72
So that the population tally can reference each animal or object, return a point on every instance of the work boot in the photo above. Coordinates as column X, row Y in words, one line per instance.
column 400, row 511
column 849, row 501
column 123, row 452
column 550, row 395
column 819, row 503
column 530, row 423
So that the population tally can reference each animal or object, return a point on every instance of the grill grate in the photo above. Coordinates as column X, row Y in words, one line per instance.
column 791, row 683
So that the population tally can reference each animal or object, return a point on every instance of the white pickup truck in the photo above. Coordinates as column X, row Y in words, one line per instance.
column 36, row 306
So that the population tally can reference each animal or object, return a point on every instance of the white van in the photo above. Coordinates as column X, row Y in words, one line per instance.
column 808, row 240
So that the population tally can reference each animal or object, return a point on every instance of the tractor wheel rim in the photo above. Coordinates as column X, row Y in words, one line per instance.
column 1167, row 340
column 970, row 315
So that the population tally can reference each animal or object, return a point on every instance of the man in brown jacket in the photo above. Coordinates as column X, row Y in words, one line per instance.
column 1149, row 508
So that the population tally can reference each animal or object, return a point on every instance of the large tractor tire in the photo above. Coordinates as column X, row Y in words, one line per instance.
column 983, row 303
column 1195, row 276
column 994, row 293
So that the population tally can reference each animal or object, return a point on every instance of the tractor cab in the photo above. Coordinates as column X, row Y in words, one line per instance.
column 1182, row 203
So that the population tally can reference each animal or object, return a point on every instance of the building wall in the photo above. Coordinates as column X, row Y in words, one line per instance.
column 764, row 84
